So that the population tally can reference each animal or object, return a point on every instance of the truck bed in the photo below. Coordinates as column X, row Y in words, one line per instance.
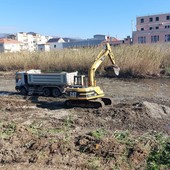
column 63, row 78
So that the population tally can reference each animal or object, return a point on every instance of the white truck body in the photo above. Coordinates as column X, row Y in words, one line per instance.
column 51, row 78
column 34, row 81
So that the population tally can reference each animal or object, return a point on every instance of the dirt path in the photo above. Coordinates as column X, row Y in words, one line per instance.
column 39, row 133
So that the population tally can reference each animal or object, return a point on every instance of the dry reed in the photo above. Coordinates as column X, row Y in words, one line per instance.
column 135, row 60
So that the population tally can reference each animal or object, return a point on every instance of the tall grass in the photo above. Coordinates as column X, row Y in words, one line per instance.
column 135, row 60
column 142, row 60
column 67, row 59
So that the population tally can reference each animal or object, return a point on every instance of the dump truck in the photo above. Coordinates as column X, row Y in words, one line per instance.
column 47, row 84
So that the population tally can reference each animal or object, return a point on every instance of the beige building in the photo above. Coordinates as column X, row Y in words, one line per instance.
column 31, row 40
column 152, row 29
column 9, row 45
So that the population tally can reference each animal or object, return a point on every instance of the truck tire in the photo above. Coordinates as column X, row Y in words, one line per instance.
column 56, row 92
column 46, row 92
column 23, row 91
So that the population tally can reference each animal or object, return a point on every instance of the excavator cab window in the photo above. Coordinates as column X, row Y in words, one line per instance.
column 80, row 81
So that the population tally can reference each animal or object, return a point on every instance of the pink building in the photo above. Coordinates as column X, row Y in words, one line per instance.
column 152, row 29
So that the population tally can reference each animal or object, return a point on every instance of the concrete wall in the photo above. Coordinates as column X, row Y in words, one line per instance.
column 56, row 45
column 10, row 47
column 83, row 43
column 43, row 47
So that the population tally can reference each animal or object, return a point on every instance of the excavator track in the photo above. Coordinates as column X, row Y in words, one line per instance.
column 98, row 103
column 107, row 101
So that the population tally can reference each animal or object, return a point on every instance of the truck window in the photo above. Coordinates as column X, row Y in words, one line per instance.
column 25, row 79
column 18, row 77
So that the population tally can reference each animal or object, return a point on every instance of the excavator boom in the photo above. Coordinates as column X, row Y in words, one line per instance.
column 106, row 51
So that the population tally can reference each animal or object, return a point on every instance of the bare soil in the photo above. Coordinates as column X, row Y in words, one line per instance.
column 39, row 133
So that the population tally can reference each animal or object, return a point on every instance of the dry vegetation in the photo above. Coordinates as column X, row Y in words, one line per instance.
column 142, row 60
column 135, row 60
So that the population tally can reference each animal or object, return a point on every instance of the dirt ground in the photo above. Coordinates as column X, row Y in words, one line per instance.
column 39, row 133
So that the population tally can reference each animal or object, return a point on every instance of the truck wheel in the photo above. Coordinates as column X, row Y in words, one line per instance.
column 23, row 91
column 46, row 92
column 56, row 92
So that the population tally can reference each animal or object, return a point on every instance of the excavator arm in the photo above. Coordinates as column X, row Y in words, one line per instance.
column 106, row 51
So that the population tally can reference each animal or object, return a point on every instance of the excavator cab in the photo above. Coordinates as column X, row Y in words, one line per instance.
column 80, row 81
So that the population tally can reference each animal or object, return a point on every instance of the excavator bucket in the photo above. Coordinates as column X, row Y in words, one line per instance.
column 114, row 68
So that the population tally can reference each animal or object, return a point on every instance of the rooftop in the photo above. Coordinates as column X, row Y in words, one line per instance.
column 8, row 41
column 151, row 15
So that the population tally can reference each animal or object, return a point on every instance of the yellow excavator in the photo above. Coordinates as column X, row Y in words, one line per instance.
column 85, row 92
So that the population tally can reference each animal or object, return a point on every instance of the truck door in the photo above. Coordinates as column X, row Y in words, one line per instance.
column 25, row 79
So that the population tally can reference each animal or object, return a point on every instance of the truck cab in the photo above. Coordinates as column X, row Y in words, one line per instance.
column 21, row 82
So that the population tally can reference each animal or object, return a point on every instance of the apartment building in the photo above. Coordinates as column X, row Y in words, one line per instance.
column 152, row 29
column 31, row 40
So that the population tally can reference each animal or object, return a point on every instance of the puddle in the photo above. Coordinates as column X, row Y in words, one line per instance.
column 149, row 88
column 6, row 93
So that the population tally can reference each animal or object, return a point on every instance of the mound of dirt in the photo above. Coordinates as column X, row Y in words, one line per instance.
column 138, row 116
column 155, row 110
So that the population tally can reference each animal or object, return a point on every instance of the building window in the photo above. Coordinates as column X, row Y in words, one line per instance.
column 157, row 19
column 150, row 28
column 141, row 40
column 167, row 26
column 142, row 29
column 154, row 38
column 141, row 20
column 150, row 19
column 156, row 28
column 54, row 46
column 167, row 38
column 167, row 17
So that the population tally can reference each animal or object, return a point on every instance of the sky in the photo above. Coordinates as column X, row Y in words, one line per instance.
column 77, row 18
